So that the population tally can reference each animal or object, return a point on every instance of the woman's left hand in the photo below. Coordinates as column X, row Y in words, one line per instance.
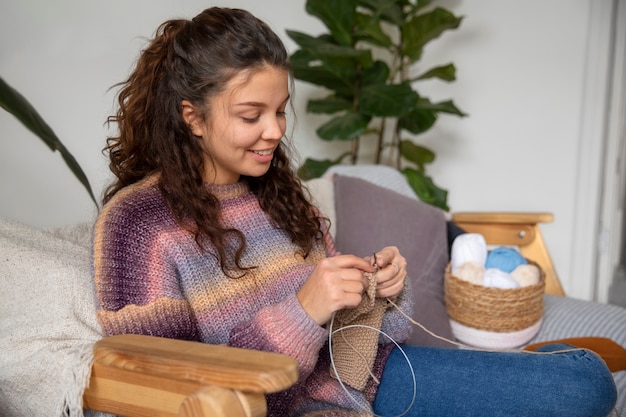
column 391, row 274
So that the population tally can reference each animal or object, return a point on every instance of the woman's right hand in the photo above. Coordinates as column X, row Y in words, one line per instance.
column 336, row 283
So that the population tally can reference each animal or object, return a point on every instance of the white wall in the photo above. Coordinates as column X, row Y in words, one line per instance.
column 521, row 77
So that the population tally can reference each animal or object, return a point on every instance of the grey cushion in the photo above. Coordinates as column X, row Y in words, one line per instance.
column 370, row 217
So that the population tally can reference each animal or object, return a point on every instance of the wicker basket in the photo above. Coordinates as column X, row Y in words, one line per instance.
column 493, row 317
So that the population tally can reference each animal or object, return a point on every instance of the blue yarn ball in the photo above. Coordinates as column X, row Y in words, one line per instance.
column 505, row 259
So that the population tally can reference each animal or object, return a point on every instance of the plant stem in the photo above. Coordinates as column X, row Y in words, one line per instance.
column 381, row 138
column 396, row 138
column 354, row 151
column 355, row 106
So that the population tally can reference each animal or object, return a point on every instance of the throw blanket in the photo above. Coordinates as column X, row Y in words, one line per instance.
column 47, row 320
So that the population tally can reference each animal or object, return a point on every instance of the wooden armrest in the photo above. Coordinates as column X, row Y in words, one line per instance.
column 135, row 375
column 515, row 229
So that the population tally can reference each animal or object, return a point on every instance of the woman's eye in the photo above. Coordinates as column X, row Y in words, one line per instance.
column 250, row 119
column 281, row 113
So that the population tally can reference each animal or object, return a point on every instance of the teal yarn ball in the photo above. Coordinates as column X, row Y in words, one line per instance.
column 505, row 259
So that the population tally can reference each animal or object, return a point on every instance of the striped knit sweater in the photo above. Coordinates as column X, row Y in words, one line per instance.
column 152, row 278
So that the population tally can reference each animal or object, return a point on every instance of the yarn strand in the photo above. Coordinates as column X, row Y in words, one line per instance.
column 464, row 346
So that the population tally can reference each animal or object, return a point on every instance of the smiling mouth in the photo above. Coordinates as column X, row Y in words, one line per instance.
column 264, row 153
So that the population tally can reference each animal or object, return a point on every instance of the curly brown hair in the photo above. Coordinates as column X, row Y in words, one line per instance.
column 194, row 60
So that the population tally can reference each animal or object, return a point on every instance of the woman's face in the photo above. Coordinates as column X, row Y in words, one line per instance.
column 245, row 125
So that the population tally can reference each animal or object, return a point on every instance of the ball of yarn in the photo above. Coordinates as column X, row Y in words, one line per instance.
column 499, row 279
column 468, row 247
column 471, row 272
column 505, row 259
column 528, row 274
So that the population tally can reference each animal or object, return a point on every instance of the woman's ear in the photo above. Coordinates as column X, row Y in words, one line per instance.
column 192, row 117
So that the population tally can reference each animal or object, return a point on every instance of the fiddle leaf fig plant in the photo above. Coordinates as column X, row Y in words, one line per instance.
column 13, row 102
column 366, row 63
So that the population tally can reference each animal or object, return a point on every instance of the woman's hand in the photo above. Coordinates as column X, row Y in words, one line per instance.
column 391, row 274
column 336, row 283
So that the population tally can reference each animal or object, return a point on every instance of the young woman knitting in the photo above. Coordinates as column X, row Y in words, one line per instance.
column 207, row 234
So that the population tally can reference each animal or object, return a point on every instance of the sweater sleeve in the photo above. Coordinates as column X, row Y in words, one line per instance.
column 283, row 328
column 136, row 279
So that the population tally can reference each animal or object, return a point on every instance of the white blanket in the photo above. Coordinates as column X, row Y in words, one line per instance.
column 47, row 320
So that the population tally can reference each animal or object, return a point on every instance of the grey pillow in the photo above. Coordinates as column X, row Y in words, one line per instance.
column 370, row 217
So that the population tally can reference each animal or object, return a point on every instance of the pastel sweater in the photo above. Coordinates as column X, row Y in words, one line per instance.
column 152, row 278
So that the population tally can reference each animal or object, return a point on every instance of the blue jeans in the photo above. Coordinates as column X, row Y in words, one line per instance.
column 456, row 382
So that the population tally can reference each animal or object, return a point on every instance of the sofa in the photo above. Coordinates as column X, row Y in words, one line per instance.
column 48, row 325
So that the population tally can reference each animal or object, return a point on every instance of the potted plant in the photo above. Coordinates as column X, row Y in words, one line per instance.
column 365, row 62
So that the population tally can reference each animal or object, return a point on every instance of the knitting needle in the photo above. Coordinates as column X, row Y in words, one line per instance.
column 374, row 264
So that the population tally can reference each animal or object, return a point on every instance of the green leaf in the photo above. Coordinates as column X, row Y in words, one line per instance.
column 378, row 73
column 344, row 127
column 448, row 107
column 425, row 114
column 426, row 189
column 417, row 154
column 328, row 105
column 16, row 104
column 388, row 10
column 441, row 107
column 420, row 4
column 337, row 16
column 419, row 120
column 368, row 29
column 444, row 72
column 421, row 29
column 387, row 100
column 313, row 168
column 321, row 48
column 338, row 78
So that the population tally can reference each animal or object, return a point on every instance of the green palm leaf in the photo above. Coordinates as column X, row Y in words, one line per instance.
column 13, row 102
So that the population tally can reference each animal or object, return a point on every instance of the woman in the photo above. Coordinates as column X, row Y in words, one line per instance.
column 208, row 235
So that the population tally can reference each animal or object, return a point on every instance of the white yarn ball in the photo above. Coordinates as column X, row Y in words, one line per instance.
column 499, row 279
column 526, row 275
column 468, row 247
column 471, row 272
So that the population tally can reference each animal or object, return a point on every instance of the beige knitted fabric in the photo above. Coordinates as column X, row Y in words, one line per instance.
column 354, row 349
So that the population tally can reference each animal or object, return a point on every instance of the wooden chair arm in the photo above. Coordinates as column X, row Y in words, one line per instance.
column 137, row 376
column 515, row 229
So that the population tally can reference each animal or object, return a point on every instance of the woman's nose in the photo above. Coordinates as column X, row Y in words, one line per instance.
column 274, row 128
